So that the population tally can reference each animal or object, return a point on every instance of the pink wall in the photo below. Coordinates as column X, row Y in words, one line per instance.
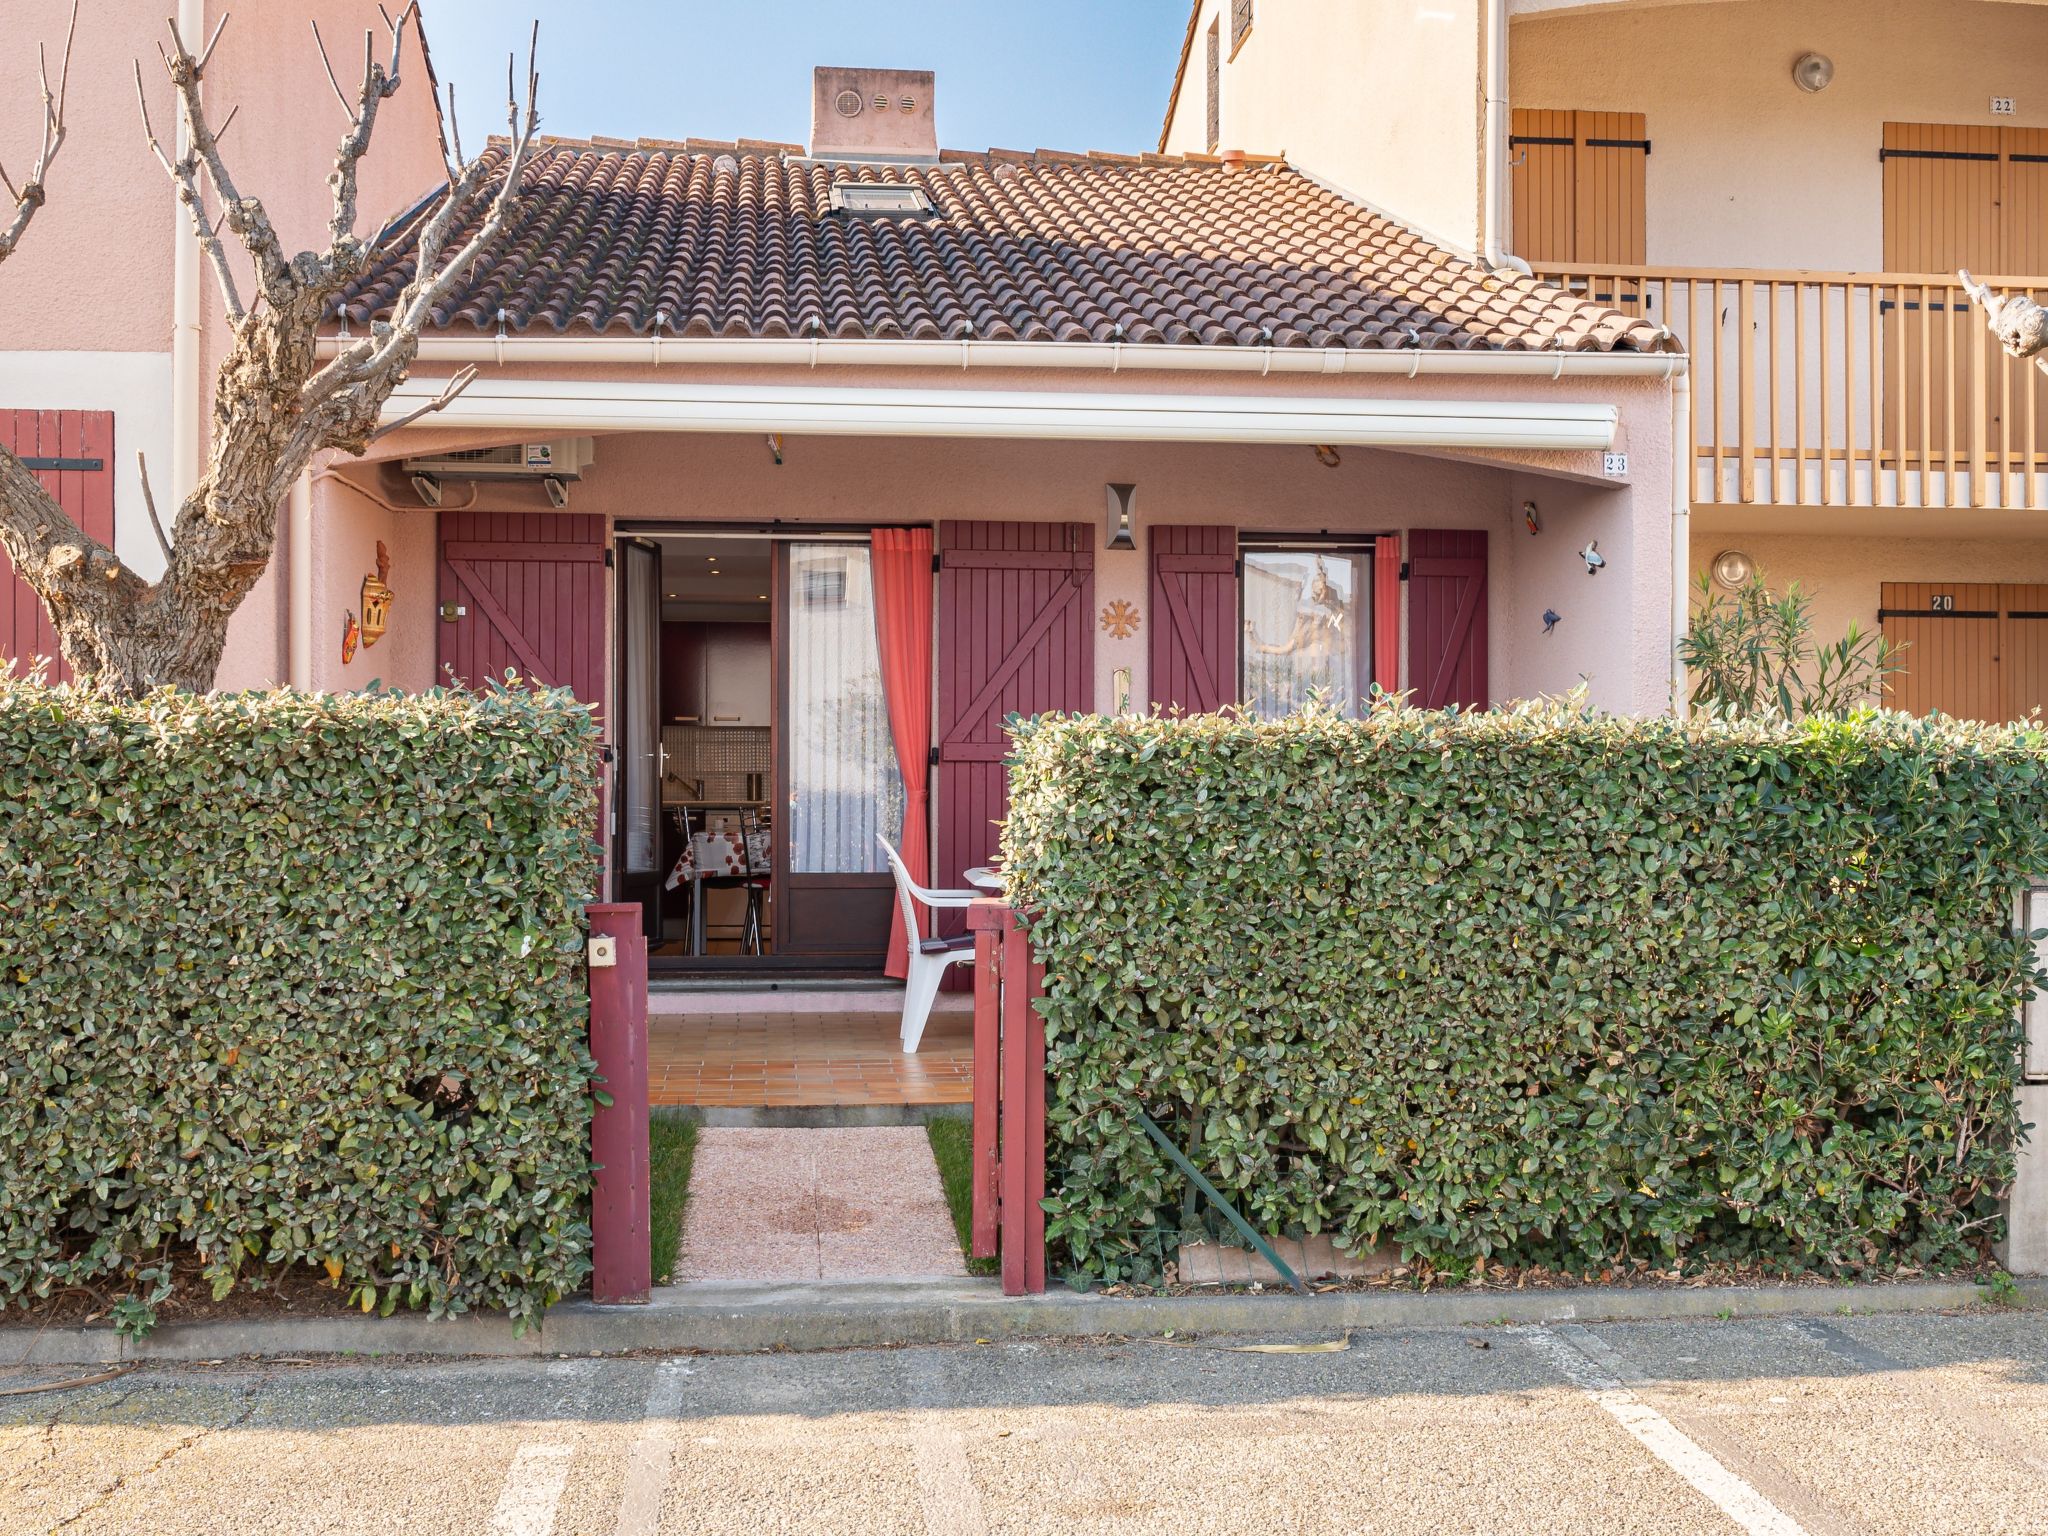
column 1612, row 632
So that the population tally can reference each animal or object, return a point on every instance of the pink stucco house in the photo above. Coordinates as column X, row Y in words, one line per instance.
column 1118, row 431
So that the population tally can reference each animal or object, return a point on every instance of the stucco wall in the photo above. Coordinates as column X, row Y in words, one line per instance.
column 1380, row 100
column 859, row 482
column 1745, row 168
column 1842, row 572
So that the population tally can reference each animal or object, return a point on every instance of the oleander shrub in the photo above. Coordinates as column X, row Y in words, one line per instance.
column 296, row 979
column 1535, row 986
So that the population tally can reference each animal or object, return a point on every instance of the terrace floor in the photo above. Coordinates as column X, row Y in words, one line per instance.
column 738, row 1049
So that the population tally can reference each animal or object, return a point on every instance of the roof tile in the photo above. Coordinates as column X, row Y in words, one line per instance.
column 714, row 238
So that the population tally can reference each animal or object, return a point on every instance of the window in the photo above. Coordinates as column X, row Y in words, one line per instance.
column 880, row 200
column 1240, row 24
column 1307, row 628
column 844, row 786
column 1215, row 87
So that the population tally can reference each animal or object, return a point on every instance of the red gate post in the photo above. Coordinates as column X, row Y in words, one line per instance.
column 1023, row 1115
column 987, row 920
column 621, row 1264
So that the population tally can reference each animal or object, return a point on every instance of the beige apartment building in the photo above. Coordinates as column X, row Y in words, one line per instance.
column 1788, row 186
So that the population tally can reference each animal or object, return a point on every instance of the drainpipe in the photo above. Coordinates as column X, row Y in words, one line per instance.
column 299, row 585
column 1681, row 531
column 1493, row 181
column 185, row 303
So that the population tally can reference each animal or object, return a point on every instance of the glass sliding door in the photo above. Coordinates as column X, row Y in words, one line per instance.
column 1307, row 628
column 637, row 847
column 839, row 775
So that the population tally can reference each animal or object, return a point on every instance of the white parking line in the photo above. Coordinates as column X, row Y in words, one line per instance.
column 1663, row 1439
column 653, row 1456
column 533, row 1487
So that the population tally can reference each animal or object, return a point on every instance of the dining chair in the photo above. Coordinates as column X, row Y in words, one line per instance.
column 930, row 958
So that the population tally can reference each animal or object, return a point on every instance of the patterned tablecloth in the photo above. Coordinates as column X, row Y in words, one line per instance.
column 718, row 854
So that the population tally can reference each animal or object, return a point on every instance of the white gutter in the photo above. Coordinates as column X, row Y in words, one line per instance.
column 1681, row 535
column 1105, row 356
column 578, row 405
column 185, row 302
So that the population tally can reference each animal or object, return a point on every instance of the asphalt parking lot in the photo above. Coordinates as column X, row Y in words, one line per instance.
column 1912, row 1424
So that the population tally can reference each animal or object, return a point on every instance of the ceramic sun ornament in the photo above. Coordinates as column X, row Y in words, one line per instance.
column 1120, row 619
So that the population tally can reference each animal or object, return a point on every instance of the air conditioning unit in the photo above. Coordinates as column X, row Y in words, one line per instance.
column 563, row 458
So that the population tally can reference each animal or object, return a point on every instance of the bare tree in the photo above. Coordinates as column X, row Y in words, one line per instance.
column 2020, row 324
column 273, row 409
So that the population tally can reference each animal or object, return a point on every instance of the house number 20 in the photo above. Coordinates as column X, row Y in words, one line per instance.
column 1942, row 602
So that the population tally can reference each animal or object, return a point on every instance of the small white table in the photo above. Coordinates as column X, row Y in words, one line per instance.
column 982, row 878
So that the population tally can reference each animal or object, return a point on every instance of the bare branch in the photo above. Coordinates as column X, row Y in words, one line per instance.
column 2020, row 324
column 185, row 173
column 214, row 41
column 29, row 196
column 244, row 217
column 149, row 504
column 455, row 386
column 328, row 65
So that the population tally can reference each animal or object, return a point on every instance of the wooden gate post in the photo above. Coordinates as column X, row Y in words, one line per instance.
column 1023, row 1115
column 621, row 1263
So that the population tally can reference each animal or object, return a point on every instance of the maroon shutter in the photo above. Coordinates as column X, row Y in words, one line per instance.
column 531, row 590
column 1015, row 636
column 1194, row 618
column 78, row 449
column 1447, row 617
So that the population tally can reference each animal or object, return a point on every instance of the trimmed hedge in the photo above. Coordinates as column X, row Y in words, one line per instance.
column 1536, row 986
column 291, row 978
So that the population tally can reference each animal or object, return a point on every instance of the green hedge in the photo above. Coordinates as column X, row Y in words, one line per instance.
column 293, row 978
column 1533, row 986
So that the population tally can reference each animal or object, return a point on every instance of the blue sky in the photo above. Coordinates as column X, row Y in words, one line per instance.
column 1021, row 74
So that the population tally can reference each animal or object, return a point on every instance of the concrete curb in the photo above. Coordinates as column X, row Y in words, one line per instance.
column 723, row 1319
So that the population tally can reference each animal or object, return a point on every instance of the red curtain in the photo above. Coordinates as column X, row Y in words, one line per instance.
column 1386, row 611
column 903, row 634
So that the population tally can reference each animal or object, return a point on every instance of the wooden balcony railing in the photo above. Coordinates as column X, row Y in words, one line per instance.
column 1844, row 388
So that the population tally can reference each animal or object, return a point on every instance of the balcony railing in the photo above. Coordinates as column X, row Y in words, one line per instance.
column 1855, row 389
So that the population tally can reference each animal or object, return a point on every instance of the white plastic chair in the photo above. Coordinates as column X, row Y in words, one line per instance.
column 929, row 958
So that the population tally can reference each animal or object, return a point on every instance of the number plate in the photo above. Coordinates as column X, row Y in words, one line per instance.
column 1942, row 602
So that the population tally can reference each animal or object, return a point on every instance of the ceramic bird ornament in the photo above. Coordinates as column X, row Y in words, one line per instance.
column 1595, row 561
column 1550, row 618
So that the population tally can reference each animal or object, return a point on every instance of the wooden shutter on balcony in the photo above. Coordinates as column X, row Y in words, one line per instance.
column 72, row 454
column 1973, row 650
column 2024, row 202
column 1577, row 179
column 1941, row 186
column 1447, row 617
column 1194, row 618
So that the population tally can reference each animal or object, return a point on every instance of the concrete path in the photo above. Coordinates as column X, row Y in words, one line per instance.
column 774, row 1206
column 1895, row 1426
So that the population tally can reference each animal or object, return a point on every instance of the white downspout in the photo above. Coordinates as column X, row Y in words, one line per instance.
column 1681, row 532
column 299, row 585
column 185, row 303
column 1493, row 181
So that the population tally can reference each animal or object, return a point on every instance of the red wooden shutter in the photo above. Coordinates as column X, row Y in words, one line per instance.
column 1016, row 636
column 1447, row 617
column 1194, row 618
column 531, row 587
column 1386, row 612
column 72, row 453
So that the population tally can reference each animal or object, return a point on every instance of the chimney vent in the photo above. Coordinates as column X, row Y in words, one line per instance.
column 873, row 114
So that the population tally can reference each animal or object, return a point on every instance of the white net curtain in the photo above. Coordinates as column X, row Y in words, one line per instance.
column 1305, row 629
column 844, row 787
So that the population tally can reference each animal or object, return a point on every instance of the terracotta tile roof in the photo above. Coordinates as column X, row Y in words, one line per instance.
column 737, row 239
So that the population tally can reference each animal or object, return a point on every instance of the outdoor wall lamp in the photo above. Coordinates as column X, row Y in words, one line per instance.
column 1813, row 71
column 1122, row 534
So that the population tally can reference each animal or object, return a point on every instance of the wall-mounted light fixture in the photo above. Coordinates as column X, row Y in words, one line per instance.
column 1813, row 71
column 1732, row 569
column 1122, row 532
